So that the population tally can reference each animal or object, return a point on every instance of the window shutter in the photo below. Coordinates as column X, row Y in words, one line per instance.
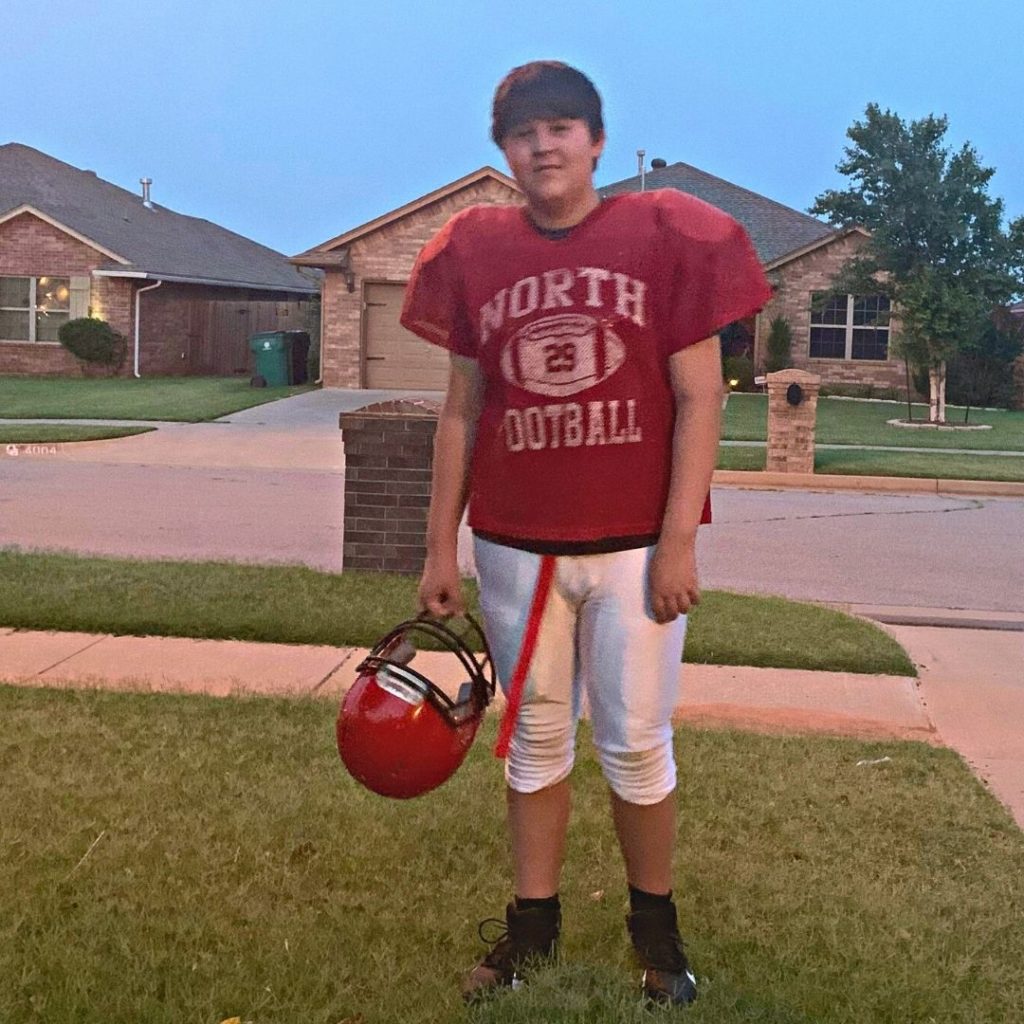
column 80, row 290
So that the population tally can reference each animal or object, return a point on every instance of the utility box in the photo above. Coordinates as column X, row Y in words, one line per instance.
column 389, row 456
column 792, row 414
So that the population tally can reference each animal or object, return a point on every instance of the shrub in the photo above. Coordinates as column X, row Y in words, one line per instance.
column 739, row 369
column 780, row 342
column 884, row 394
column 93, row 341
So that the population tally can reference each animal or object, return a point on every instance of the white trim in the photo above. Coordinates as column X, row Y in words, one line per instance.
column 33, row 309
column 836, row 236
column 143, row 275
column 26, row 208
column 850, row 327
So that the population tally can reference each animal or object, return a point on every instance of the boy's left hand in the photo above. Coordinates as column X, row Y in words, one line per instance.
column 672, row 580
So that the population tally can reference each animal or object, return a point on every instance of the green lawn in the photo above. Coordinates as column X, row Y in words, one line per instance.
column 290, row 604
column 45, row 433
column 184, row 399
column 929, row 464
column 184, row 860
column 847, row 422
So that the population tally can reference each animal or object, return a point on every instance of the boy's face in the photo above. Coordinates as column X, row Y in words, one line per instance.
column 552, row 159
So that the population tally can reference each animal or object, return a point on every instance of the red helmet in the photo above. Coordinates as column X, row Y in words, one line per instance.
column 398, row 733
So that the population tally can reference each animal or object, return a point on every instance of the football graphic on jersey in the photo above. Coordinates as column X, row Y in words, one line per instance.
column 561, row 355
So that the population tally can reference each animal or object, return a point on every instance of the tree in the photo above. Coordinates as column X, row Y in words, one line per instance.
column 982, row 373
column 780, row 342
column 938, row 248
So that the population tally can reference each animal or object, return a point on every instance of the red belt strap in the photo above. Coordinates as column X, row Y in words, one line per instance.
column 515, row 690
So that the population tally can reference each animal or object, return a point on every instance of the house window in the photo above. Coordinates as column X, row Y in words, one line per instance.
column 849, row 326
column 33, row 308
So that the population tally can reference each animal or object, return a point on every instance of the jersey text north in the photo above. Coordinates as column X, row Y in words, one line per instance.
column 584, row 287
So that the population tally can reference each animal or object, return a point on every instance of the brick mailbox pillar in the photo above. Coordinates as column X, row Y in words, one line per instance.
column 389, row 454
column 792, row 410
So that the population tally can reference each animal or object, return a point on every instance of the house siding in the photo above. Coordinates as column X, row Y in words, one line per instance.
column 31, row 247
column 192, row 328
column 181, row 325
column 795, row 282
column 386, row 254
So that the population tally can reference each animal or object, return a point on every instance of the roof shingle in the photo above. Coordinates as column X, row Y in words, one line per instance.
column 155, row 241
column 774, row 229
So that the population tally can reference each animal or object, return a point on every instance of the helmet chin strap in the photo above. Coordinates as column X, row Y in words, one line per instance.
column 515, row 689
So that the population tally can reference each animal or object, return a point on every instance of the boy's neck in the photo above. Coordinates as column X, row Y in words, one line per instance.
column 564, row 214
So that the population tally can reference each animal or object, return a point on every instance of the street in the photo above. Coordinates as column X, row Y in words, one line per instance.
column 269, row 486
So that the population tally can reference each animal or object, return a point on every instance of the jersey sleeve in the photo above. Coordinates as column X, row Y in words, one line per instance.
column 434, row 306
column 716, row 275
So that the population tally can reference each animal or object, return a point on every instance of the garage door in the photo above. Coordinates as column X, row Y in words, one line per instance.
column 395, row 357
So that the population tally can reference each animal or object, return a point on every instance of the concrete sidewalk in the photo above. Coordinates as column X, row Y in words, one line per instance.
column 772, row 699
column 970, row 695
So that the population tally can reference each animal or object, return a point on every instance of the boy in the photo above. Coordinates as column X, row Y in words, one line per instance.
column 581, row 423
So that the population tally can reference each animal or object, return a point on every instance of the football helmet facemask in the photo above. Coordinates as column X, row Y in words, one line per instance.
column 398, row 733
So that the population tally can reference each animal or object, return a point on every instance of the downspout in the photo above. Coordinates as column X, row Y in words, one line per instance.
column 138, row 304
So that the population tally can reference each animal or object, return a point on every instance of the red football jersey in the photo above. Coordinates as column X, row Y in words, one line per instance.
column 572, row 337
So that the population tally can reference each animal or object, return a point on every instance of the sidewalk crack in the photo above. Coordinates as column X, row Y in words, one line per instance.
column 972, row 506
column 74, row 654
column 341, row 664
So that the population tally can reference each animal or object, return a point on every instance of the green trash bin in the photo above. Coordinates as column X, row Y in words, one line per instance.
column 273, row 352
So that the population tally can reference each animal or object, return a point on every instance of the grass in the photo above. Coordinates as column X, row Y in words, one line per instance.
column 297, row 605
column 183, row 860
column 928, row 464
column 182, row 399
column 846, row 422
column 46, row 433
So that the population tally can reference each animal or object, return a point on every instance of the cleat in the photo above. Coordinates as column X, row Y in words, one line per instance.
column 667, row 977
column 528, row 940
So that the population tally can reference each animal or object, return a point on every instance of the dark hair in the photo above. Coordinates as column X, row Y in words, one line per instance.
column 545, row 89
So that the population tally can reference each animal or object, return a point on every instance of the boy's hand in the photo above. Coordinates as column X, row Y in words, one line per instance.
column 440, row 590
column 672, row 580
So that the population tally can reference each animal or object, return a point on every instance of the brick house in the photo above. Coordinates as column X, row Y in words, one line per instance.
column 184, row 292
column 366, row 269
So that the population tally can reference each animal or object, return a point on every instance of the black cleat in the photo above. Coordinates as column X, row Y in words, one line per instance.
column 667, row 977
column 529, row 940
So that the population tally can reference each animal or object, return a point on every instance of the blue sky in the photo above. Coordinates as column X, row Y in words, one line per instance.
column 292, row 122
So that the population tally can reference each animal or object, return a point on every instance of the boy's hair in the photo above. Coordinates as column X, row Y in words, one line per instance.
column 545, row 89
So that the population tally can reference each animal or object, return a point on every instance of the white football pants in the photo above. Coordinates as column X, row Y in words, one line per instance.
column 597, row 638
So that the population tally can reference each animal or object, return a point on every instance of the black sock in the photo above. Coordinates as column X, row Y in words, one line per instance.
column 546, row 903
column 641, row 900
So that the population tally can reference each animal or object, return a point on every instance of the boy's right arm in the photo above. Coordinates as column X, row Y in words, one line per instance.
column 440, row 589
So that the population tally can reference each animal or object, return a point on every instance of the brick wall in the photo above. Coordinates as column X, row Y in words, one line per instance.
column 386, row 255
column 388, row 460
column 164, row 325
column 30, row 247
column 173, row 323
column 796, row 281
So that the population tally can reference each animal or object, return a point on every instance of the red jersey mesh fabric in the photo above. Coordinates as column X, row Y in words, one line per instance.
column 572, row 337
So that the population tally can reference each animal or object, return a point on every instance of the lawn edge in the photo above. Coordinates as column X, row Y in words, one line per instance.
column 763, row 480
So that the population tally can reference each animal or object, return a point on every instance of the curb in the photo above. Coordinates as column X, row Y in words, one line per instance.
column 944, row 618
column 758, row 480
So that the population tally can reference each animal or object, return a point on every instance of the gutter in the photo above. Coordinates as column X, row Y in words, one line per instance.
column 138, row 305
column 142, row 275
